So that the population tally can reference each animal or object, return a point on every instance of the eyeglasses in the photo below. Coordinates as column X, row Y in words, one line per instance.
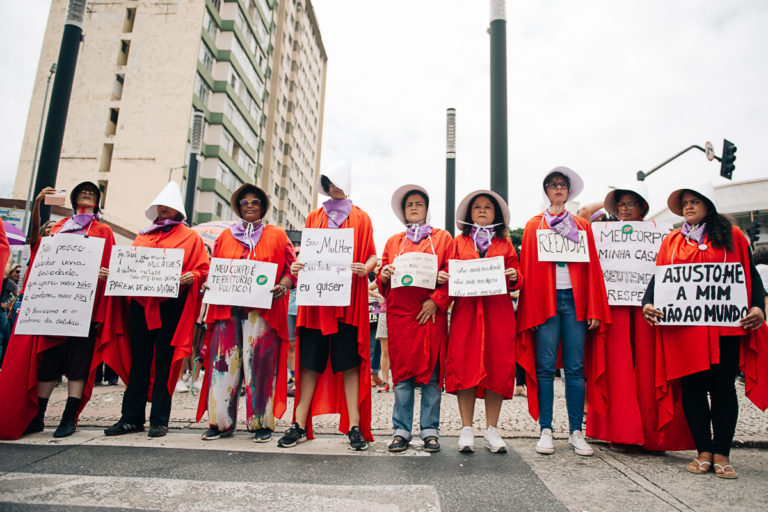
column 627, row 204
column 553, row 185
column 87, row 191
column 247, row 202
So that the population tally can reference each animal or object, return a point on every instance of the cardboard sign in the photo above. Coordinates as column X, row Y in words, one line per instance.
column 477, row 278
column 415, row 269
column 326, row 279
column 58, row 299
column 701, row 294
column 552, row 246
column 144, row 272
column 244, row 283
column 627, row 252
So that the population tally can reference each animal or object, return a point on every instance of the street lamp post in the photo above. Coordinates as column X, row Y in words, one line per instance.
column 195, row 148
column 498, row 32
column 450, row 170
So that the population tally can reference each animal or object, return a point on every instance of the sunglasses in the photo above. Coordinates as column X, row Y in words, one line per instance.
column 248, row 202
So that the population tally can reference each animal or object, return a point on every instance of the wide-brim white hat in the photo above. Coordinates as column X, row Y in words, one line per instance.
column 170, row 196
column 461, row 211
column 399, row 196
column 340, row 174
column 706, row 189
column 574, row 189
column 636, row 187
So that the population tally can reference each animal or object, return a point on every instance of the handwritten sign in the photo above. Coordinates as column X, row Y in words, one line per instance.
column 415, row 269
column 701, row 294
column 326, row 279
column 144, row 272
column 477, row 278
column 555, row 247
column 61, row 289
column 244, row 283
column 627, row 252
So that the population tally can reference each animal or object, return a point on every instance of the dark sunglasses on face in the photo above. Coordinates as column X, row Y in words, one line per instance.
column 247, row 202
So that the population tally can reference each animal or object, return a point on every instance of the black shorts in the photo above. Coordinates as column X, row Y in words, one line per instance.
column 71, row 358
column 314, row 349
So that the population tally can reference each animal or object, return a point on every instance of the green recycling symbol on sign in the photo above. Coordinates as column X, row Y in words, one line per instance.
column 627, row 229
column 262, row 280
column 407, row 280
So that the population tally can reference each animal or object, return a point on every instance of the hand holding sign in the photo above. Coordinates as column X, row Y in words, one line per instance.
column 325, row 276
column 415, row 269
column 246, row 283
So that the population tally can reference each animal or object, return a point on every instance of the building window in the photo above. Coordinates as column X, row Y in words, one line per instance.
column 106, row 157
column 202, row 90
column 112, row 122
column 117, row 87
column 210, row 25
column 206, row 57
column 125, row 49
column 130, row 15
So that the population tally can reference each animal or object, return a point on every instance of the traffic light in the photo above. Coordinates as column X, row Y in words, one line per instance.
column 754, row 232
column 726, row 161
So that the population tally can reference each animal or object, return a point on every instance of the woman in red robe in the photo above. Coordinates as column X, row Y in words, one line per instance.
column 249, row 345
column 705, row 359
column 417, row 319
column 145, row 339
column 34, row 363
column 336, row 334
column 481, row 344
column 568, row 300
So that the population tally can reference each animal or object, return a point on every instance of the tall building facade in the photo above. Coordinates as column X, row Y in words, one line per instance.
column 144, row 67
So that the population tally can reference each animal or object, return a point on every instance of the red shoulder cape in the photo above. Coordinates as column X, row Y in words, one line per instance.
column 415, row 349
column 271, row 248
column 18, row 380
column 329, row 393
column 115, row 343
column 537, row 303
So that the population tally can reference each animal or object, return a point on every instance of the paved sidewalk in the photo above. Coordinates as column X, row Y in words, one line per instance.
column 104, row 409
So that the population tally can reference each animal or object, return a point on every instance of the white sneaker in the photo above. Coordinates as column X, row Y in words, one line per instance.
column 181, row 387
column 580, row 446
column 467, row 440
column 198, row 385
column 494, row 442
column 545, row 445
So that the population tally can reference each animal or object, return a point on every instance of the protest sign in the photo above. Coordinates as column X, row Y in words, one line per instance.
column 627, row 252
column 417, row 269
column 144, row 272
column 326, row 279
column 701, row 294
column 477, row 278
column 552, row 246
column 244, row 283
column 58, row 299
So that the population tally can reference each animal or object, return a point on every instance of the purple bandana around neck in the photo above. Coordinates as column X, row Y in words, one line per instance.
column 247, row 234
column 77, row 223
column 563, row 225
column 159, row 224
column 337, row 211
column 482, row 235
column 695, row 233
column 416, row 232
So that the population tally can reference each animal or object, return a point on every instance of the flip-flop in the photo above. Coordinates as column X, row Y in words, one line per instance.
column 723, row 474
column 701, row 469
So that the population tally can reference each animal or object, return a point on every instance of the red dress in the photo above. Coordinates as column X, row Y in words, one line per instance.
column 415, row 349
column 481, row 344
column 329, row 392
column 18, row 380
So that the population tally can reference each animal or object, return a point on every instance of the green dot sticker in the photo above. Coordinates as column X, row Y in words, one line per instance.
column 262, row 280
column 627, row 229
column 407, row 280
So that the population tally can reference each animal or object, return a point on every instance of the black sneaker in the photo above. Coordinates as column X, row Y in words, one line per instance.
column 214, row 433
column 262, row 435
column 356, row 441
column 157, row 431
column 293, row 435
column 121, row 428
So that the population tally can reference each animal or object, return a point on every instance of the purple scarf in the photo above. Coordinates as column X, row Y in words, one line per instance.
column 247, row 234
column 416, row 233
column 695, row 233
column 337, row 211
column 482, row 235
column 77, row 223
column 159, row 224
column 563, row 225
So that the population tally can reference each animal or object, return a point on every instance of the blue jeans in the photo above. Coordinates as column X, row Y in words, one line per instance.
column 375, row 351
column 565, row 328
column 402, row 414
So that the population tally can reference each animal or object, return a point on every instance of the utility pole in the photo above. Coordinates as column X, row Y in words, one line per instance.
column 50, row 152
column 450, row 170
column 499, row 159
column 195, row 147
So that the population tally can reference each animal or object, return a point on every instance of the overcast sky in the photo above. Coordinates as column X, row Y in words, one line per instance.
column 605, row 87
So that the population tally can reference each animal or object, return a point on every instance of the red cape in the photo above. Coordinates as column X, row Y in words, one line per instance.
column 481, row 345
column 271, row 248
column 18, row 380
column 686, row 350
column 329, row 393
column 115, row 343
column 537, row 303
column 415, row 349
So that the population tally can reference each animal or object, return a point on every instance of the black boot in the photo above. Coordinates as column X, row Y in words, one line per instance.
column 37, row 424
column 67, row 426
